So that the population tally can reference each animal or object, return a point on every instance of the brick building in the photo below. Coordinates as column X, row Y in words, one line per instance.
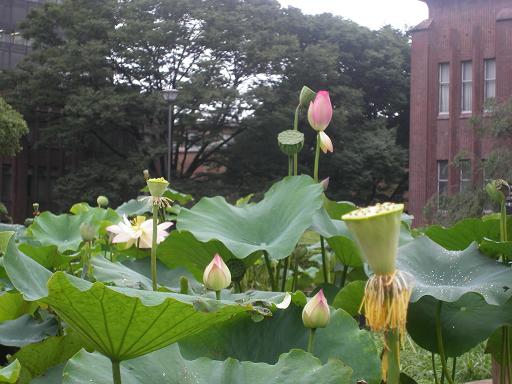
column 461, row 56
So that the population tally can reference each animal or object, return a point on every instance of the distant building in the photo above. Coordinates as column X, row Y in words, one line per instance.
column 27, row 177
column 461, row 57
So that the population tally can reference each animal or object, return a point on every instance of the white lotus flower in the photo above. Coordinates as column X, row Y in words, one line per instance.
column 139, row 231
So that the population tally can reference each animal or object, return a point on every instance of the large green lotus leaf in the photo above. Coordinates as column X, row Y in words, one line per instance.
column 51, row 376
column 462, row 234
column 26, row 330
column 496, row 249
column 18, row 229
column 275, row 224
column 346, row 251
column 336, row 209
column 10, row 373
column 134, row 207
column 350, row 297
column 48, row 256
column 464, row 323
column 36, row 359
column 12, row 306
column 167, row 366
column 121, row 323
column 265, row 341
column 447, row 275
column 63, row 230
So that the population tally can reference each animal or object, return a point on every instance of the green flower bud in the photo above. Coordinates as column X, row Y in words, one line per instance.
column 376, row 230
column 157, row 187
column 102, row 201
column 316, row 313
column 307, row 95
column 290, row 142
column 87, row 231
column 498, row 190
column 216, row 275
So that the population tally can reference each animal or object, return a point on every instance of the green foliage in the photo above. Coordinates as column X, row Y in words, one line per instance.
column 12, row 129
column 295, row 367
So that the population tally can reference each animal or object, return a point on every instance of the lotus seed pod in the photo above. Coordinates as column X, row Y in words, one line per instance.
column 376, row 230
column 307, row 95
column 102, row 201
column 316, row 313
column 216, row 275
column 290, row 142
column 87, row 231
column 237, row 269
column 146, row 174
column 157, row 187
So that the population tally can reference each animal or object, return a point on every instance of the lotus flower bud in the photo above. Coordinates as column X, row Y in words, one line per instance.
column 325, row 183
column 157, row 187
column 35, row 207
column 87, row 231
column 320, row 111
column 325, row 143
column 498, row 190
column 290, row 142
column 216, row 275
column 376, row 230
column 102, row 201
column 307, row 95
column 146, row 174
column 316, row 313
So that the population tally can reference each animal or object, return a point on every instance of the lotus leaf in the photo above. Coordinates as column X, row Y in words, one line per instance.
column 13, row 306
column 167, row 366
column 134, row 207
column 37, row 358
column 275, row 224
column 48, row 256
column 25, row 330
column 447, row 275
column 350, row 297
column 121, row 323
column 10, row 373
column 264, row 341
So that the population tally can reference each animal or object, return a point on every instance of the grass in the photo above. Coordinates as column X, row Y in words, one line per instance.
column 417, row 363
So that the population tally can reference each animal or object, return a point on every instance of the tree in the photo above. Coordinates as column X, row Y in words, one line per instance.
column 12, row 129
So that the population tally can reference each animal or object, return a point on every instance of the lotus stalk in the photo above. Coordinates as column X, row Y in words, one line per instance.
column 387, row 292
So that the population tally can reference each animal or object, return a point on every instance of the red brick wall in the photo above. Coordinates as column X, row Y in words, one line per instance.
column 456, row 31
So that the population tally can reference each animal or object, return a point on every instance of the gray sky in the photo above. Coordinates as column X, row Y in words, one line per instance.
column 371, row 13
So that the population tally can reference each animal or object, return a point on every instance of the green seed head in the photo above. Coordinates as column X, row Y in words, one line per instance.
column 102, row 201
column 157, row 186
column 376, row 230
column 290, row 142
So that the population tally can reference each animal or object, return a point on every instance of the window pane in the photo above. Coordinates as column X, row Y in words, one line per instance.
column 490, row 69
column 467, row 71
column 444, row 73
column 465, row 169
column 442, row 166
column 467, row 90
column 444, row 87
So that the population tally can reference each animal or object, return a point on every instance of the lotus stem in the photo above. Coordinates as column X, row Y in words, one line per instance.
column 344, row 276
column 86, row 261
column 317, row 157
column 217, row 295
column 295, row 272
column 509, row 357
column 153, row 247
column 296, row 127
column 440, row 345
column 290, row 165
column 324, row 260
column 392, row 356
column 116, row 372
column 285, row 273
column 454, row 367
column 238, row 286
column 270, row 272
column 311, row 339
column 436, row 380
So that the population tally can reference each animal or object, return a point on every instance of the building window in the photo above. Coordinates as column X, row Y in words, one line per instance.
column 442, row 177
column 467, row 86
column 489, row 79
column 465, row 175
column 444, row 88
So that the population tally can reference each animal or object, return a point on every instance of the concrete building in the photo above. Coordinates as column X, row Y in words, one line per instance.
column 461, row 57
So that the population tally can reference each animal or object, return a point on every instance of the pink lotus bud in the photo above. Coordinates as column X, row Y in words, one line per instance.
column 320, row 111
column 325, row 183
column 325, row 143
column 316, row 313
column 216, row 275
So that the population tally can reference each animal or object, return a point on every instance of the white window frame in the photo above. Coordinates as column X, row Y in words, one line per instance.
column 489, row 80
column 444, row 84
column 439, row 180
column 466, row 86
